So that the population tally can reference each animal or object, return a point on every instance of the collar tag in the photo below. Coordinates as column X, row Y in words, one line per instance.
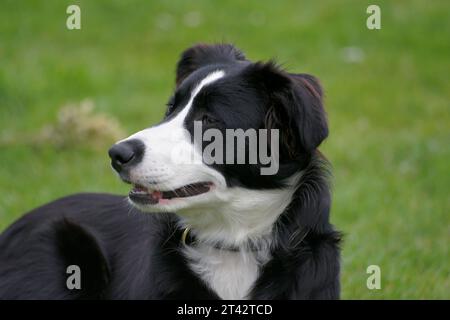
column 184, row 235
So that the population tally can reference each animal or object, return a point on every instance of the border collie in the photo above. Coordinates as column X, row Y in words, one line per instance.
column 220, row 230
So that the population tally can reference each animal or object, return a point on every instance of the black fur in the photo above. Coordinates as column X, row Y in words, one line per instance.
column 125, row 254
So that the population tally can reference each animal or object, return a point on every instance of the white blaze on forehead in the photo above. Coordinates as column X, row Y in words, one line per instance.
column 210, row 78
column 170, row 127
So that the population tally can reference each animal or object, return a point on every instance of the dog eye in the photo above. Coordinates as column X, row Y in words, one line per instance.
column 170, row 106
column 207, row 120
column 169, row 110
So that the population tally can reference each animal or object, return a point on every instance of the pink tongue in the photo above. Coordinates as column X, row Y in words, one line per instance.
column 156, row 195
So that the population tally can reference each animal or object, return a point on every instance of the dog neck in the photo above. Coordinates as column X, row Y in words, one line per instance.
column 243, row 220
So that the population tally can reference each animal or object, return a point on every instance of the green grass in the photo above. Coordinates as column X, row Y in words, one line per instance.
column 389, row 113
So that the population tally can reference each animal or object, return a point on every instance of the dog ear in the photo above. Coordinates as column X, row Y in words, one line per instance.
column 295, row 108
column 204, row 54
column 309, row 81
column 312, row 118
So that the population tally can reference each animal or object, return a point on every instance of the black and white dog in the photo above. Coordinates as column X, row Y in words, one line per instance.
column 196, row 230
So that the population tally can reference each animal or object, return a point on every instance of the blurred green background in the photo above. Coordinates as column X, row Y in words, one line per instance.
column 387, row 96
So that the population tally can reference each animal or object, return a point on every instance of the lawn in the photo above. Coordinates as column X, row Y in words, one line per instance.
column 387, row 97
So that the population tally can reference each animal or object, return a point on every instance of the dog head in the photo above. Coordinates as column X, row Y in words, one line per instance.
column 193, row 162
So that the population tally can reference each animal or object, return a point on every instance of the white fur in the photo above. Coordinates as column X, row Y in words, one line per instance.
column 230, row 274
column 237, row 215
column 244, row 216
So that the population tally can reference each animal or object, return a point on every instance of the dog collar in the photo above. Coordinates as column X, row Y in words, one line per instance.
column 184, row 235
column 188, row 239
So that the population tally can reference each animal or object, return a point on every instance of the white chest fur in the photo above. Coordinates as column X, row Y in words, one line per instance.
column 230, row 274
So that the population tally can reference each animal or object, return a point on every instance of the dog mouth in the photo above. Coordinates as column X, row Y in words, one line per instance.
column 143, row 195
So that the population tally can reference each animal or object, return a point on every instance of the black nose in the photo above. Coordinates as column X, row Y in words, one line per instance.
column 126, row 154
